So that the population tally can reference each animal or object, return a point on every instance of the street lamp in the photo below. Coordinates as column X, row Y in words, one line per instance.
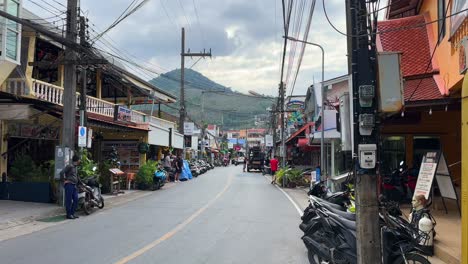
column 322, row 156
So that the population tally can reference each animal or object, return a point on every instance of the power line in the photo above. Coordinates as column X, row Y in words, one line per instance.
column 122, row 17
column 199, row 24
column 306, row 36
column 183, row 12
column 174, row 22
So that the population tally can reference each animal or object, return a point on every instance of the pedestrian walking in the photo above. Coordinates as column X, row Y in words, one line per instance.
column 70, row 178
column 273, row 168
column 246, row 161
column 179, row 167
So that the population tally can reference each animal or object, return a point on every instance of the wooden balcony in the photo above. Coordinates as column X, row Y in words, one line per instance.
column 54, row 94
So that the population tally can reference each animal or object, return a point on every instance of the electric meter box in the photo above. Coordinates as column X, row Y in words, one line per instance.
column 367, row 155
column 63, row 157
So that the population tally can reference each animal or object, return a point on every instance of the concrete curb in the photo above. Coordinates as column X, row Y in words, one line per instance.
column 27, row 225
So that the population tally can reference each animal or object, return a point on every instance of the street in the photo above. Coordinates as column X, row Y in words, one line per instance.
column 224, row 216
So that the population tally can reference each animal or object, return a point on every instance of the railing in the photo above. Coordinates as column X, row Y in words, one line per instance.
column 138, row 117
column 54, row 94
column 161, row 122
column 17, row 86
column 48, row 92
column 98, row 106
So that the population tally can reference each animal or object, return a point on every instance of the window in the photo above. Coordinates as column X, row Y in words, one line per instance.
column 12, row 31
column 393, row 152
column 441, row 19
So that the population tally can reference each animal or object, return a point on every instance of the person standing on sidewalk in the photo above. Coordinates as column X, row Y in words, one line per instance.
column 179, row 167
column 274, row 168
column 70, row 177
column 167, row 163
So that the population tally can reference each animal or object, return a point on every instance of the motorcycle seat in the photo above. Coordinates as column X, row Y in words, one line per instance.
column 351, row 225
column 322, row 202
column 346, row 215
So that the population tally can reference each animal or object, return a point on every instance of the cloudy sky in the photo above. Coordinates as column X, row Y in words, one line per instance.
column 245, row 37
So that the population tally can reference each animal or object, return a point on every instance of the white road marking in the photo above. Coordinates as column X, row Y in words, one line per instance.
column 289, row 198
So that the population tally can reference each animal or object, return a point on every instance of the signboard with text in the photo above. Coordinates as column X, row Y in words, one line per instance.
column 188, row 128
column 434, row 166
column 122, row 114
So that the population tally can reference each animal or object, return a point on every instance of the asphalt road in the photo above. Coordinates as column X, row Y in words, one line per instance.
column 223, row 216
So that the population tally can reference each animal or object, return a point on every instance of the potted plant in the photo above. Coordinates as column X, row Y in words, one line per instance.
column 144, row 178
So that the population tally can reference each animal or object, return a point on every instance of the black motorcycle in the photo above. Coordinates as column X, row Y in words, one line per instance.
column 330, row 236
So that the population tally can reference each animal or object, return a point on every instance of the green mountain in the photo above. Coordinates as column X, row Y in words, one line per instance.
column 222, row 105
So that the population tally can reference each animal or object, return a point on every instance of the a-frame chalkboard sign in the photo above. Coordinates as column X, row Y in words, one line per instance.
column 434, row 165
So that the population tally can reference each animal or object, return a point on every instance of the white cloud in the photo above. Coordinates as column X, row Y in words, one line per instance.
column 245, row 36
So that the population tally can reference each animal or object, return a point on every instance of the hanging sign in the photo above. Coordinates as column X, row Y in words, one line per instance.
column 122, row 113
column 82, row 136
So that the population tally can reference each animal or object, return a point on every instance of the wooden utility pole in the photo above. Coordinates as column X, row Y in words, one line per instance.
column 84, row 78
column 69, row 95
column 363, row 69
column 183, row 54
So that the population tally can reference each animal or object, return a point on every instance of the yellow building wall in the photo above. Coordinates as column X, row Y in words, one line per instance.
column 447, row 53
column 464, row 164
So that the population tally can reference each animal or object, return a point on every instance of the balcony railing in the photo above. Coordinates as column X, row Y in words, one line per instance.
column 54, row 94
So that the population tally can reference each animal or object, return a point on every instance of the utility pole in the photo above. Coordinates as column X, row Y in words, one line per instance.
column 282, row 92
column 84, row 78
column 183, row 54
column 69, row 95
column 363, row 69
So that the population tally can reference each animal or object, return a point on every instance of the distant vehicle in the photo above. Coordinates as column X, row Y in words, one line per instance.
column 240, row 158
column 256, row 159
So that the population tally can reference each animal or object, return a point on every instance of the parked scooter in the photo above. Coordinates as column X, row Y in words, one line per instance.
column 395, row 185
column 89, row 195
column 331, row 236
column 159, row 178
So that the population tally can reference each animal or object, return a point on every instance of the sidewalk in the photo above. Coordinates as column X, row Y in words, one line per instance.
column 21, row 218
column 299, row 195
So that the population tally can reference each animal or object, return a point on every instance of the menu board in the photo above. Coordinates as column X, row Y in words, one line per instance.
column 434, row 165
column 425, row 179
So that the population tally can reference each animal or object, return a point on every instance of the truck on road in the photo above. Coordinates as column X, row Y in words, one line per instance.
column 256, row 159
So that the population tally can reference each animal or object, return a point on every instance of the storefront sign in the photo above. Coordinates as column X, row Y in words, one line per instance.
column 122, row 114
column 82, row 136
column 188, row 129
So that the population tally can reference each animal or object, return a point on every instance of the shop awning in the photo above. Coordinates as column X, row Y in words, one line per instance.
column 328, row 134
column 298, row 132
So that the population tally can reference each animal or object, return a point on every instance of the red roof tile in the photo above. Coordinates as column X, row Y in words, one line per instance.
column 427, row 90
column 412, row 42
